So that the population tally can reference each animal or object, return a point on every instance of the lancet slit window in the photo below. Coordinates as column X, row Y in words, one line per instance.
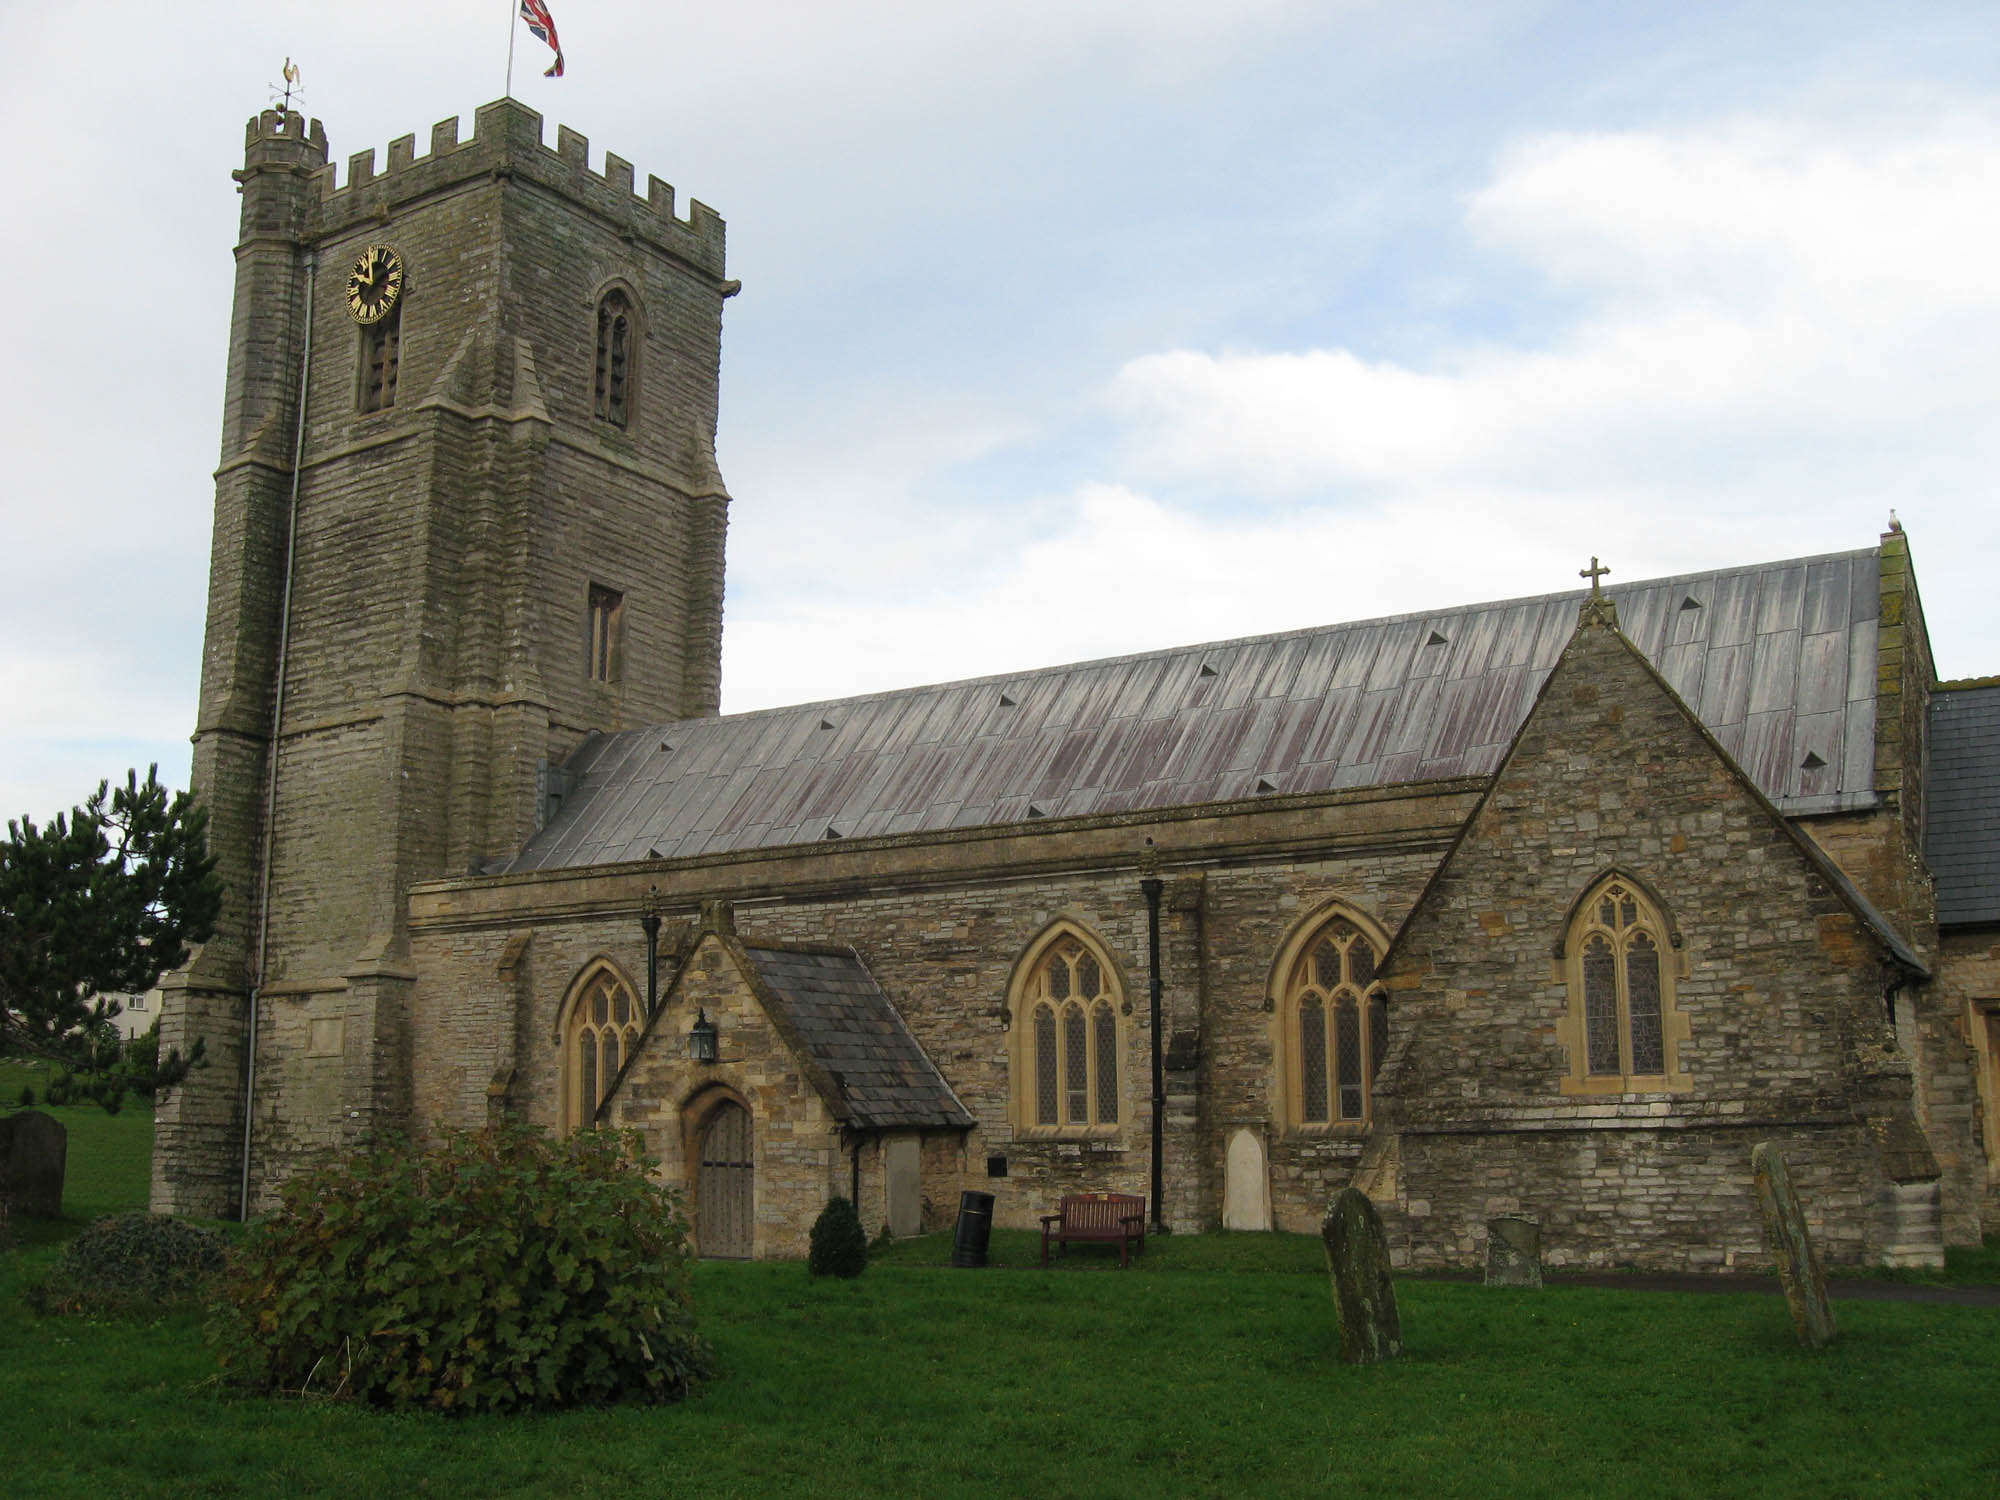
column 381, row 354
column 616, row 342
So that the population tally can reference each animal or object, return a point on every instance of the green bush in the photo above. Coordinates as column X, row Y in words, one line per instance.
column 839, row 1246
column 500, row 1270
column 133, row 1263
column 27, row 1100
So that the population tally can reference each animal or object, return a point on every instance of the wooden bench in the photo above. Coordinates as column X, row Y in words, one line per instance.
column 1098, row 1217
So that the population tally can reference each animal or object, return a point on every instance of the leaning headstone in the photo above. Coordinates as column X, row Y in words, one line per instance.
column 1513, row 1252
column 1792, row 1247
column 1357, row 1255
column 33, row 1150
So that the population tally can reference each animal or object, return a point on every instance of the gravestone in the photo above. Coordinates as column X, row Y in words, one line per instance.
column 34, row 1148
column 1513, row 1252
column 1357, row 1256
column 1246, row 1186
column 1792, row 1247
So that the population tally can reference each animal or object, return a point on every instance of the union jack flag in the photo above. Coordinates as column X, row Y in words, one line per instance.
column 543, row 25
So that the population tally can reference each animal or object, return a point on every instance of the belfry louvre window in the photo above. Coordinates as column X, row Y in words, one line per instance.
column 617, row 328
column 1335, row 1023
column 1068, row 1075
column 607, row 619
column 381, row 350
column 602, row 1029
column 1622, row 1017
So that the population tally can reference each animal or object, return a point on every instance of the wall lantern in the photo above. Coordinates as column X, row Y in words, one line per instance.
column 701, row 1038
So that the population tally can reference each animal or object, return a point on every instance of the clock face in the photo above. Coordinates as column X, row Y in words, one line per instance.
column 374, row 284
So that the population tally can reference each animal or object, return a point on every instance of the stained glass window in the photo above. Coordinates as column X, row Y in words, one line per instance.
column 1312, row 1060
column 1072, row 1051
column 1045, row 1066
column 1326, row 964
column 1347, row 1053
column 1378, row 1034
column 1106, row 1024
column 1624, row 1000
column 1076, row 1066
column 1642, row 988
column 1360, row 963
column 1600, row 1005
column 602, row 1030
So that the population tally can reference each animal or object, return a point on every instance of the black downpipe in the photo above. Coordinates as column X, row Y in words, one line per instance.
column 1150, row 885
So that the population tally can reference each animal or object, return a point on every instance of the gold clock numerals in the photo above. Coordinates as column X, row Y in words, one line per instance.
column 374, row 284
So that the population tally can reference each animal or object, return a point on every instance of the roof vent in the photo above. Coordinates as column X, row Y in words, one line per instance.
column 1265, row 784
column 665, row 748
column 1437, row 640
column 826, row 723
column 1206, row 670
column 1035, row 812
column 654, row 854
column 832, row 833
column 1006, row 702
column 1690, row 602
column 1812, row 762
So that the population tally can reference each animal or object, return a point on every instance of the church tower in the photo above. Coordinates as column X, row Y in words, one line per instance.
column 467, row 512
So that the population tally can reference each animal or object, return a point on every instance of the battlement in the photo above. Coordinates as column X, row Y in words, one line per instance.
column 506, row 143
column 282, row 135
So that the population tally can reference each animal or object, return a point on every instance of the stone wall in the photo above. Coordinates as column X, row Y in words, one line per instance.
column 1969, row 988
column 1776, row 981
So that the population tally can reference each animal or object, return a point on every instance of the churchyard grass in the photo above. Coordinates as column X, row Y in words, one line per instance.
column 1208, row 1370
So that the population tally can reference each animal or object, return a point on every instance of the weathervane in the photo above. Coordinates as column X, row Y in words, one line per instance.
column 1593, row 573
column 290, row 89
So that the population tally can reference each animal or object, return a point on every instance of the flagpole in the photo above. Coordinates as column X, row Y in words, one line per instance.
column 512, row 27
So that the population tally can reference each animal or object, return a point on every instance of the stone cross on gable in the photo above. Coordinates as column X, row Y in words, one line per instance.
column 1593, row 573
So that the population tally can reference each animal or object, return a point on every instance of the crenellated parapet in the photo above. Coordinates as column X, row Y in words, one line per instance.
column 507, row 143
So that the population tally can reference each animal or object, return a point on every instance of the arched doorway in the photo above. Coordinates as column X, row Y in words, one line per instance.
column 725, row 1189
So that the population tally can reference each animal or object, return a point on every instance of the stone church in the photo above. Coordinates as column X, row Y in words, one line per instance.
column 1553, row 907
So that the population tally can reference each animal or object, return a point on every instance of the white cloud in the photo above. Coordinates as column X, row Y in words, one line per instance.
column 1714, row 283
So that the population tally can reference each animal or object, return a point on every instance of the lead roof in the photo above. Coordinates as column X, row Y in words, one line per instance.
column 1778, row 660
column 1962, row 822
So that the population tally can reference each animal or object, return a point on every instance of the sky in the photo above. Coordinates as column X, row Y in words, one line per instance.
column 1071, row 328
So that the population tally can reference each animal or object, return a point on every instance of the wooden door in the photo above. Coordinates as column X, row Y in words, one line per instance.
column 725, row 1195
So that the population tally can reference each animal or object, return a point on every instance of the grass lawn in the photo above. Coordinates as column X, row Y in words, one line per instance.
column 1209, row 1372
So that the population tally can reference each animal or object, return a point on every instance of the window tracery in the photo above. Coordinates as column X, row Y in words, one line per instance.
column 1068, row 1076
column 1334, row 1024
column 1623, row 1022
column 602, row 1030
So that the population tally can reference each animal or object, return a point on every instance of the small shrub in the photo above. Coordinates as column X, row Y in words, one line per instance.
column 27, row 1100
column 500, row 1270
column 58, row 1091
column 839, row 1245
column 133, row 1263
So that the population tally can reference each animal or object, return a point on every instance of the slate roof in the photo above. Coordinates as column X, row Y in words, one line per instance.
column 838, row 1016
column 1962, row 820
column 1777, row 659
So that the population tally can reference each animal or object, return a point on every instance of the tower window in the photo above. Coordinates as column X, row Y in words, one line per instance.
column 617, row 342
column 381, row 347
column 607, row 612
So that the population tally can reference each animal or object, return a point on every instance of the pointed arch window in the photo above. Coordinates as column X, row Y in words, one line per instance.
column 615, row 380
column 1335, row 1023
column 1069, row 1074
column 1624, row 1027
column 602, row 1030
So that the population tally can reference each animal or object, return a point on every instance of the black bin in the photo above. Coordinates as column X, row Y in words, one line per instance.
column 975, row 1228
